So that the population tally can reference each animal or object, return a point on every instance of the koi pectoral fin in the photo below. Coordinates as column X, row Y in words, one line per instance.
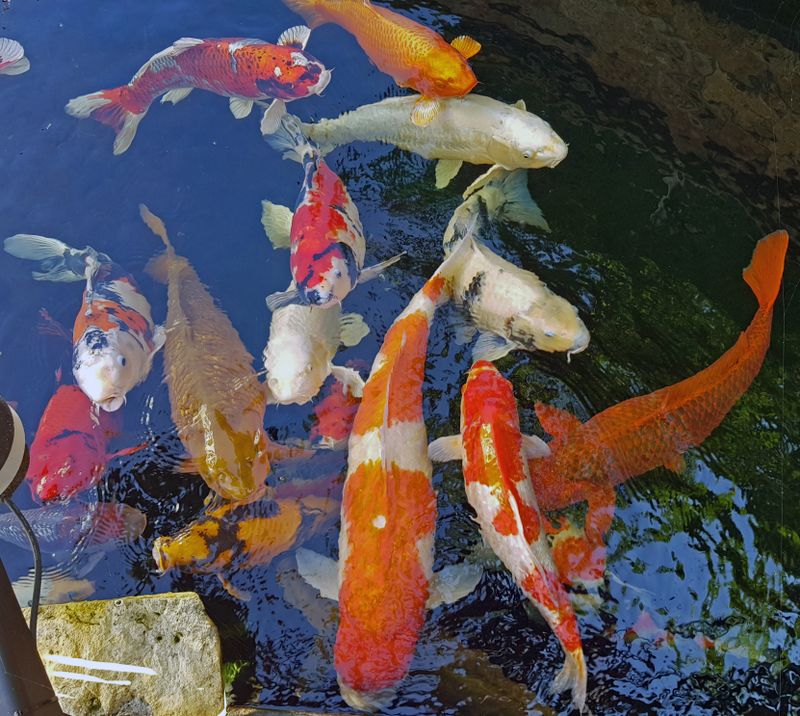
column 277, row 223
column 453, row 582
column 425, row 111
column 368, row 274
column 534, row 447
column 446, row 169
column 491, row 347
column 445, row 448
column 283, row 298
column 320, row 572
column 239, row 594
column 351, row 381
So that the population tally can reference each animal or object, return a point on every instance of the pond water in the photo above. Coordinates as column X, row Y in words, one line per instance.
column 683, row 124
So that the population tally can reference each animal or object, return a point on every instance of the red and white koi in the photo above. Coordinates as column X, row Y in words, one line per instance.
column 12, row 57
column 324, row 233
column 385, row 578
column 114, row 338
column 244, row 70
column 494, row 454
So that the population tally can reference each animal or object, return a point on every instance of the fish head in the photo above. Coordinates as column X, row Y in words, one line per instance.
column 551, row 326
column 367, row 701
column 107, row 365
column 295, row 74
column 192, row 548
column 524, row 140
column 332, row 277
column 293, row 380
column 66, row 466
column 446, row 74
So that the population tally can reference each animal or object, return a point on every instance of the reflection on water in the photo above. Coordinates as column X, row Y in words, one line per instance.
column 681, row 138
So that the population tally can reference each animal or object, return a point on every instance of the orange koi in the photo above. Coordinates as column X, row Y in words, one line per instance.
column 385, row 578
column 640, row 434
column 334, row 417
column 414, row 55
column 499, row 488
column 243, row 69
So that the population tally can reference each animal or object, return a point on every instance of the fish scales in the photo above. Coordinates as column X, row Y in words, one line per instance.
column 388, row 514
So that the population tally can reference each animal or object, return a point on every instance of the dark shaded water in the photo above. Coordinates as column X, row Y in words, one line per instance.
column 654, row 214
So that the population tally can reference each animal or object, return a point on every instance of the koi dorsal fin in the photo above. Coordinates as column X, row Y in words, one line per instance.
column 557, row 422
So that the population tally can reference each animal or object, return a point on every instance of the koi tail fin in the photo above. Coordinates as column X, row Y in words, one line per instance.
column 289, row 139
column 765, row 272
column 312, row 11
column 158, row 267
column 573, row 677
column 58, row 261
column 107, row 107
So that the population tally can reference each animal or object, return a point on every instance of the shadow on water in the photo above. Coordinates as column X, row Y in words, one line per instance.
column 682, row 121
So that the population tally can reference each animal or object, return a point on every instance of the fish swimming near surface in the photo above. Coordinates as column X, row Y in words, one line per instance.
column 69, row 452
column 217, row 401
column 324, row 233
column 234, row 536
column 114, row 337
column 303, row 341
column 511, row 307
column 475, row 129
column 494, row 454
column 243, row 69
column 640, row 434
column 414, row 55
column 384, row 580
column 334, row 416
column 12, row 57
column 63, row 527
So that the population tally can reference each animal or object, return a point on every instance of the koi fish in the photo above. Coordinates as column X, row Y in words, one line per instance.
column 237, row 536
column 242, row 69
column 217, row 401
column 63, row 527
column 475, row 129
column 649, row 431
column 325, row 233
column 384, row 580
column 494, row 454
column 68, row 452
column 114, row 337
column 12, row 57
column 511, row 307
column 414, row 55
column 299, row 354
column 334, row 418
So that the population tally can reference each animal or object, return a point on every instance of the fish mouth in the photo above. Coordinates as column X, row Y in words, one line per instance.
column 556, row 153
column 580, row 344
column 369, row 701
column 113, row 403
column 322, row 82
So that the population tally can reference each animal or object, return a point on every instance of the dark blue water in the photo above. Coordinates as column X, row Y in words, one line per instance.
column 654, row 213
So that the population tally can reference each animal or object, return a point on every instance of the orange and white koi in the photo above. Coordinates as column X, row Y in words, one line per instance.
column 12, row 57
column 243, row 69
column 494, row 454
column 588, row 459
column 324, row 233
column 414, row 55
column 114, row 336
column 385, row 578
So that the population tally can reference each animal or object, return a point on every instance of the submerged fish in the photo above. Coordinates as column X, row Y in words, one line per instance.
column 385, row 581
column 475, row 129
column 650, row 431
column 114, row 338
column 324, row 234
column 237, row 536
column 12, row 57
column 299, row 354
column 414, row 55
column 494, row 454
column 334, row 418
column 68, row 452
column 243, row 69
column 513, row 308
column 62, row 527
column 217, row 401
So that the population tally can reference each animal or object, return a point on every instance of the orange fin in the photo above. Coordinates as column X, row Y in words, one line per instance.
column 240, row 594
column 188, row 466
column 555, row 421
column 765, row 271
column 466, row 46
column 426, row 109
column 127, row 451
column 157, row 268
column 49, row 326
column 676, row 463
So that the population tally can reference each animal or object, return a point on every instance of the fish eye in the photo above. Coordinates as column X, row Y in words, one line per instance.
column 527, row 154
column 338, row 274
column 121, row 360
